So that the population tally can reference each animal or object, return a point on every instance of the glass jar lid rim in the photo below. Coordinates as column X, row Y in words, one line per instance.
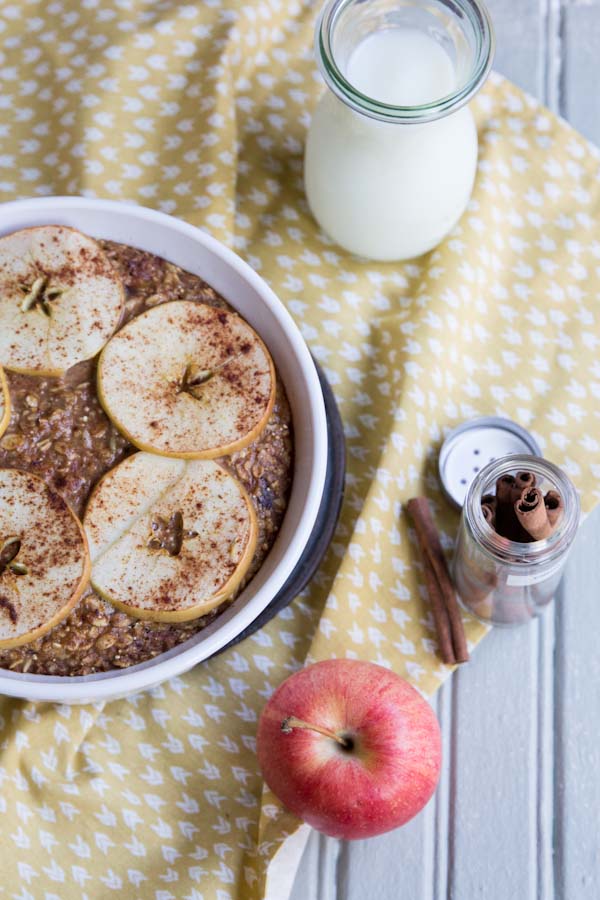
column 376, row 109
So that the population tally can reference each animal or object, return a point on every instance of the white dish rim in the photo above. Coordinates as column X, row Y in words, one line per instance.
column 120, row 682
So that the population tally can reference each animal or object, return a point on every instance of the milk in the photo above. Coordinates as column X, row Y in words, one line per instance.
column 401, row 66
column 391, row 191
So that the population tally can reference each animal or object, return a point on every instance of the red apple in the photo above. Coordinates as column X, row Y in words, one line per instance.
column 349, row 747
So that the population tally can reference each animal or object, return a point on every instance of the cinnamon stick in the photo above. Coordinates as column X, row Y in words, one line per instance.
column 524, row 480
column 507, row 490
column 431, row 549
column 440, row 614
column 488, row 508
column 554, row 507
column 488, row 514
column 507, row 523
column 532, row 514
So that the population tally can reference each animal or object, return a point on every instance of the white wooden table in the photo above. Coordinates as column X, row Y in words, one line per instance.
column 517, row 812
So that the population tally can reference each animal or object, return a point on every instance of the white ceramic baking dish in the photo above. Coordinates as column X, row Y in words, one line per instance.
column 187, row 246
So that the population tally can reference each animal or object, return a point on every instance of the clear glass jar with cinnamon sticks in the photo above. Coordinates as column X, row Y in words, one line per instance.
column 519, row 520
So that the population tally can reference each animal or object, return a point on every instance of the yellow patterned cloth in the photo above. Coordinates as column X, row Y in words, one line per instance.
column 200, row 109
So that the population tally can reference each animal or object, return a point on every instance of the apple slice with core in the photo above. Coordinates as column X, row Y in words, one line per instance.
column 44, row 558
column 4, row 403
column 170, row 539
column 188, row 380
column 60, row 299
column 350, row 747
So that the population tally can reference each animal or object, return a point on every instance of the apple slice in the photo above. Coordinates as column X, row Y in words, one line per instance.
column 60, row 299
column 4, row 403
column 44, row 558
column 187, row 380
column 169, row 538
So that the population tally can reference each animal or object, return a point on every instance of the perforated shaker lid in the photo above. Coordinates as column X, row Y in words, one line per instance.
column 474, row 444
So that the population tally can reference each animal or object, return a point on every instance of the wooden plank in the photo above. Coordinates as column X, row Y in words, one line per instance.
column 494, row 787
column 577, row 722
column 443, row 831
column 581, row 99
column 545, row 756
column 317, row 874
column 520, row 43
column 391, row 866
column 552, row 43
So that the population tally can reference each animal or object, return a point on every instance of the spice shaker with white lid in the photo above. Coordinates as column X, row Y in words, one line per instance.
column 391, row 152
column 504, row 581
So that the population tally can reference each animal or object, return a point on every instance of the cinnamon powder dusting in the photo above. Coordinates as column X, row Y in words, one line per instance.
column 60, row 432
column 9, row 608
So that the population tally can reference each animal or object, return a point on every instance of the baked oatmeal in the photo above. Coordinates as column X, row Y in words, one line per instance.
column 59, row 431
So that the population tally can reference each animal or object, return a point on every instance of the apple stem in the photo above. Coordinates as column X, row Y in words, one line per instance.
column 291, row 722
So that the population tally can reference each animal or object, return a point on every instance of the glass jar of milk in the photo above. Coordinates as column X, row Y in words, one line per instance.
column 391, row 152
